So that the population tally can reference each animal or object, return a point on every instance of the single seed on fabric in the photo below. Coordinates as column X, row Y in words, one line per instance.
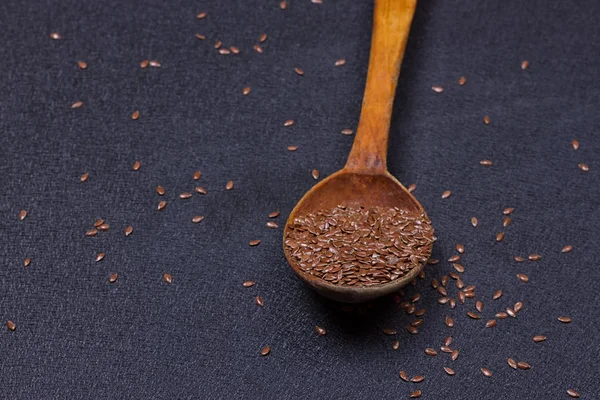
column 154, row 64
column 234, row 50
column 430, row 352
column 84, row 177
column 160, row 190
column 144, row 64
column 265, row 351
column 524, row 65
column 283, row 5
column 433, row 261
column 460, row 284
column 258, row 49
column 22, row 215
column 340, row 62
column 506, row 221
column 292, row 148
column 486, row 372
column 91, row 232
column 491, row 323
column 200, row 189
column 255, row 242
column 288, row 122
column 460, row 248
column 201, row 15
column 479, row 306
column 454, row 258
column 462, row 81
column 185, row 195
column 417, row 323
column 523, row 277
column 565, row 320
column 82, row 64
column 136, row 115
column 197, row 175
column 77, row 104
column 128, row 230
column 446, row 194
column 247, row 284
column 412, row 330
column 229, row 185
column 474, row 222
column 411, row 188
column 98, row 222
column 246, row 91
column 539, row 338
column 262, row 38
column 486, row 163
column 523, row 365
column 448, row 341
column 534, row 257
column 519, row 259
column 499, row 236
column 454, row 355
column 473, row 315
column 449, row 371
column 567, row 249
column 218, row 44
column 136, row 166
column 271, row 224
column 99, row 257
column 389, row 331
column 197, row 219
column 512, row 363
column 417, row 379
column 259, row 301
column 511, row 312
column 200, row 36
column 395, row 345
column 518, row 306
column 347, row 132
column 501, row 315
column 458, row 267
column 113, row 277
column 26, row 262
column 437, row 89
column 575, row 144
column 403, row 376
column 573, row 393
column 443, row 300
column 103, row 227
column 442, row 290
column 446, row 349
column 11, row 325
column 421, row 312
column 497, row 294
column 415, row 298
column 224, row 51
column 168, row 278
column 486, row 120
column 416, row 394
column 55, row 36
column 320, row 331
column 299, row 71
column 508, row 211
column 584, row 167
column 452, row 303
column 161, row 205
column 315, row 174
column 449, row 322
column 274, row 214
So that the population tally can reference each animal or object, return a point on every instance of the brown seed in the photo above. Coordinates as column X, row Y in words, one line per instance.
column 160, row 190
column 347, row 132
column 259, row 301
column 136, row 166
column 416, row 394
column 417, row 379
column 479, row 306
column 584, row 167
column 84, row 177
column 185, row 195
column 197, row 219
column 258, row 49
column 161, row 205
column 288, row 122
column 508, row 210
column 299, row 71
column 437, row 89
column 412, row 330
column 567, row 249
column 519, row 259
column 421, row 312
column 449, row 371
column 499, row 236
column 575, row 144
column 91, row 232
column 497, row 294
column 433, row 261
column 506, row 221
column 486, row 120
column 99, row 257
column 168, row 278
column 229, row 185
column 523, row 277
column 523, row 365
column 255, row 242
column 474, row 222
column 154, row 64
column 82, row 64
column 389, row 331
column 234, row 50
column 262, row 38
column 26, row 262
column 197, row 175
column 473, row 315
column 340, row 62
column 491, row 323
column 103, row 227
column 265, row 351
column 246, row 91
column 77, row 104
column 128, row 230
column 200, row 189
column 442, row 290
column 460, row 248
column 411, row 188
column 11, row 325
column 458, row 268
column 524, row 65
column 201, row 15
column 448, row 341
column 403, row 376
column 430, row 352
column 292, row 148
column 55, row 36
column 271, row 224
column 486, row 372
column 224, row 51
column 315, row 174
column 534, row 257
column 144, row 64
column 395, row 345
column 462, row 81
column 200, row 36
column 22, row 215
column 136, row 115
column 454, row 355
column 539, row 338
column 218, row 44
column 248, row 283
column 113, row 277
column 501, row 315
column 274, row 214
column 486, row 163
column 511, row 312
column 283, row 5
column 320, row 331
column 446, row 194
column 573, row 393
column 512, row 363
column 565, row 320
column 518, row 306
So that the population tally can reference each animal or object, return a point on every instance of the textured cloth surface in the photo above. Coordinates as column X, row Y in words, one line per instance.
column 78, row 336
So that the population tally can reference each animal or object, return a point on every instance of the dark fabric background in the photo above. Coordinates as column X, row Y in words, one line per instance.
column 78, row 336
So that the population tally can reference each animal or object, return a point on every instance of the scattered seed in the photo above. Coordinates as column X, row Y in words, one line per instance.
column 288, row 122
column 417, row 379
column 416, row 394
column 200, row 36
column 161, row 205
column 185, row 195
column 479, row 306
column 255, row 242
column 539, row 338
column 565, row 320
column 506, row 221
column 224, row 51
column 584, row 167
column 389, row 331
column 248, row 283
column 299, row 71
column 460, row 248
column 458, row 268
column 497, row 294
column 511, row 312
column 11, row 325
column 534, row 257
column 234, row 50
column 412, row 330
column 103, row 227
column 259, row 301
column 437, row 89
column 26, row 262
column 246, row 91
column 258, row 49
column 486, row 120
column 473, row 315
column 446, row 194
column 77, row 104
column 518, row 306
column 197, row 175
column 449, row 371
column 144, row 64
column 154, row 64
column 567, row 249
column 508, row 210
column 136, row 166
column 523, row 277
column 340, row 62
column 501, row 315
column 519, row 259
column 403, row 376
column 347, row 132
column 395, row 345
column 491, row 323
column 411, row 188
column 474, row 222
column 200, row 189
column 197, row 219
column 22, row 215
column 486, row 372
column 201, row 15
column 283, row 5
column 448, row 341
column 91, row 232
column 113, row 277
column 430, row 352
column 168, row 278
column 499, row 236
column 433, row 261
column 229, row 185
column 55, row 36
column 524, row 65
column 262, row 38
column 271, row 224
column 136, row 115
column 454, row 355
column 128, row 230
column 573, row 393
column 99, row 257
column 512, row 363
column 160, row 190
column 523, row 365
column 486, row 163
column 265, row 351
column 292, row 148
column 320, row 331
column 462, row 81
column 421, row 312
column 575, row 144
column 454, row 258
column 315, row 174
column 84, row 177
column 218, row 44
column 274, row 214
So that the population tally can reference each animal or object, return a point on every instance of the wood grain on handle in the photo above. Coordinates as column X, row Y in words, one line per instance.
column 391, row 25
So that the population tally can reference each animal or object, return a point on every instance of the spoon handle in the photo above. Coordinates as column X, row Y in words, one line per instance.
column 391, row 25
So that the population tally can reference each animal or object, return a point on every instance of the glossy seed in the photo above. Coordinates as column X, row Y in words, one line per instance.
column 84, row 177
column 274, row 214
column 288, row 122
column 389, row 331
column 479, row 306
column 168, row 278
column 200, row 36
column 403, row 376
column 248, row 284
column 567, row 249
column 486, row 120
column 449, row 371
column 99, row 257
column 486, row 372
column 497, row 294
column 417, row 379
column 185, row 195
column 411, row 188
column 197, row 219
column 320, row 331
column 575, row 144
column 458, row 268
column 501, row 315
column 340, row 62
column 524, row 65
column 77, row 104
column 103, row 227
column 315, row 174
column 416, row 394
column 486, row 163
column 518, row 306
column 584, row 167
column 154, row 64
column 512, row 363
column 437, row 89
column 534, row 257
column 246, row 91
column 200, row 189
column 262, row 38
column 460, row 248
column 508, row 210
column 299, row 71
column 448, row 341
column 462, row 81
column 255, row 242
column 292, row 148
column 144, row 64
column 234, row 50
column 283, row 5
column 22, row 215
column 430, row 352
column 136, row 166
column 55, row 36
column 201, row 15
column 11, row 325
column 271, row 224
column 91, row 232
column 446, row 194
column 506, row 221
column 573, row 393
column 197, row 175
column 136, row 115
column 113, row 277
column 347, row 132
column 161, row 205
column 454, row 355
column 511, row 312
column 229, row 185
column 499, row 236
column 491, row 323
column 519, row 259
column 474, row 222
column 26, row 262
column 565, row 320
column 523, row 277
column 160, row 190
column 539, row 338
column 218, row 44
column 128, row 230
column 265, row 351
column 395, row 345
column 523, row 365
column 412, row 330
column 258, row 49
column 473, row 315
column 259, row 301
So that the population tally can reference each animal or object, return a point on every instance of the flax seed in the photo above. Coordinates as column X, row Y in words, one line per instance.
column 144, row 64
column 511, row 312
column 471, row 314
column 292, row 148
column 499, row 236
column 274, row 214
column 299, row 71
column 98, row 223
column 91, row 232
column 534, row 257
column 347, row 132
column 255, row 242
column 565, row 320
column 430, row 352
column 200, row 36
column 55, row 36
column 246, row 91
column 99, row 257
column 448, row 341
column 168, row 278
column 200, row 189
column 154, row 64
column 474, row 222
column 258, row 49
column 417, row 379
column 506, row 221
column 197, row 219
column 523, row 365
column 201, row 15
column 234, row 50
column 103, row 227
column 508, row 210
column 458, row 268
column 84, row 177
column 185, row 195
column 271, row 224
column 395, row 345
column 136, row 115
column 523, row 277
column 512, row 363
column 486, row 163
column 128, row 230
column 449, row 371
column 11, row 325
column 491, row 323
column 288, row 122
column 248, row 284
column 218, row 44
column 501, row 315
column 77, row 104
column 403, row 376
column 479, row 306
column 519, row 259
column 416, row 394
column 283, row 5
column 486, row 372
column 265, row 351
column 584, row 167
column 446, row 194
column 22, row 215
column 567, row 249
column 524, row 65
column 411, row 188
column 575, row 144
column 486, row 120
column 160, row 190
column 262, row 38
column 572, row 393
column 340, row 62
column 437, row 89
column 259, row 301
column 460, row 248
column 136, row 166
column 412, row 330
column 26, row 262
column 113, row 277
column 161, row 205
column 518, row 306
column 315, row 174
column 539, row 338
column 462, row 81
column 389, row 331
column 229, row 185
column 454, row 355
column 320, row 331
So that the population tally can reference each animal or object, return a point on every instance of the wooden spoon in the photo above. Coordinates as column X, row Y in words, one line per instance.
column 365, row 180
